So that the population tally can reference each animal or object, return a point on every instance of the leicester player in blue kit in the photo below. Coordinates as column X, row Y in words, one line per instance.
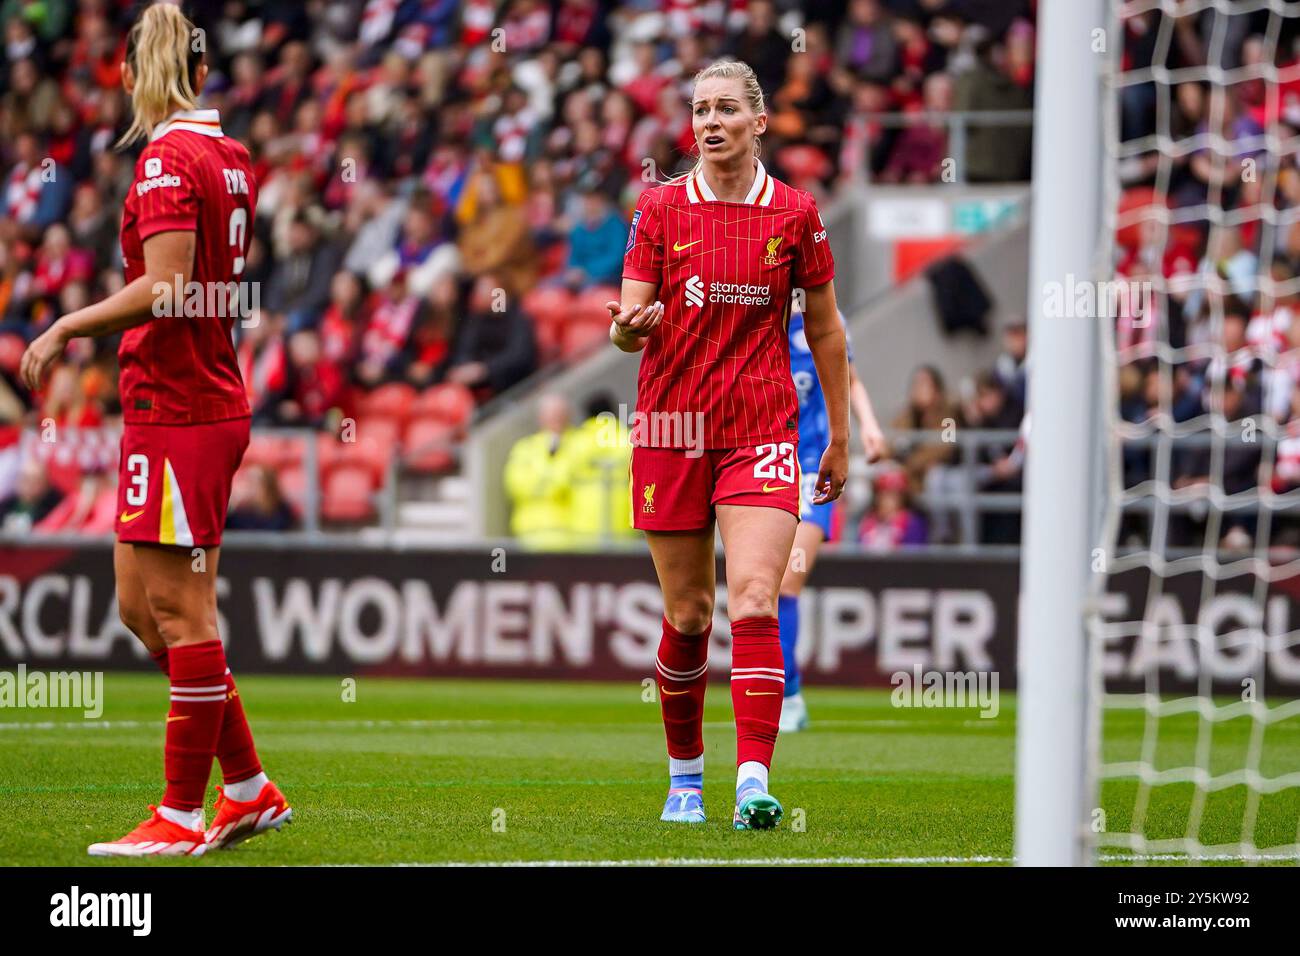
column 814, row 519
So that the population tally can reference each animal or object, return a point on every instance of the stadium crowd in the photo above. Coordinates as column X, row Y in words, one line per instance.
column 443, row 194
column 1199, row 154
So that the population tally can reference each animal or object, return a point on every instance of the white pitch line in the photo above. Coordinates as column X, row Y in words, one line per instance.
column 834, row 861
column 1200, row 858
column 417, row 723
column 315, row 724
column 712, row 861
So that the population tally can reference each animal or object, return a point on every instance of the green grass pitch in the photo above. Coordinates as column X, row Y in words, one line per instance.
column 442, row 771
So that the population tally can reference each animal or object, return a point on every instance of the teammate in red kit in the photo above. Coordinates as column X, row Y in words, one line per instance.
column 713, row 259
column 185, row 232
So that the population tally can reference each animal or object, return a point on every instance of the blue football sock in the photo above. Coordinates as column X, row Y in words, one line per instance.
column 686, row 781
column 787, row 616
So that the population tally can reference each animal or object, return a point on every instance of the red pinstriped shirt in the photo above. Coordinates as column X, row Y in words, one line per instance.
column 180, row 368
column 726, row 272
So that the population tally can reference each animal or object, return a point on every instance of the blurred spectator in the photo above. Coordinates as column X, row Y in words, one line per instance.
column 921, row 149
column 866, row 41
column 423, row 251
column 33, row 499
column 31, row 99
column 928, row 409
column 299, row 286
column 760, row 44
column 494, row 236
column 596, row 244
column 433, row 337
column 316, row 389
column 346, row 315
column 600, row 504
column 1010, row 367
column 538, row 478
column 495, row 346
column 93, row 227
column 1000, row 468
column 35, row 195
column 58, row 264
column 374, row 221
column 261, row 505
column 994, row 153
column 387, row 337
column 890, row 523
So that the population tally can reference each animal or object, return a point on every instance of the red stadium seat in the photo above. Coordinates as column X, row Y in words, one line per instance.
column 804, row 163
column 550, row 340
column 550, row 310
column 293, row 450
column 293, row 485
column 589, row 306
column 393, row 400
column 330, row 452
column 448, row 402
column 376, row 441
column 430, row 446
column 264, row 449
column 348, row 495
column 548, row 304
column 582, row 338
column 380, row 428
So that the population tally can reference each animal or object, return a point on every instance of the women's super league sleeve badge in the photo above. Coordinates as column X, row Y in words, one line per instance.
column 631, row 232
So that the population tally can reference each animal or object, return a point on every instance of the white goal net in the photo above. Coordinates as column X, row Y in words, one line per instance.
column 1194, row 631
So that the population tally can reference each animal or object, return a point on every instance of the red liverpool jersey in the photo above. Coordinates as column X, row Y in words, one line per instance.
column 719, row 361
column 180, row 368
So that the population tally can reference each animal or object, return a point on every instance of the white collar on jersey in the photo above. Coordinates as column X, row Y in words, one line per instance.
column 207, row 122
column 760, row 194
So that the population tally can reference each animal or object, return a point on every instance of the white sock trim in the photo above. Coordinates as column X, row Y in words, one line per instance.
column 190, row 819
column 677, row 767
column 245, row 790
column 754, row 769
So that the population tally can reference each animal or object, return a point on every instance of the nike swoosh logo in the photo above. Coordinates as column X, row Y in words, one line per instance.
column 760, row 693
column 768, row 489
column 677, row 247
column 672, row 693
column 178, row 717
column 127, row 518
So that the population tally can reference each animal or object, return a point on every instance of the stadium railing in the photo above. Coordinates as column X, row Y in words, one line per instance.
column 959, row 125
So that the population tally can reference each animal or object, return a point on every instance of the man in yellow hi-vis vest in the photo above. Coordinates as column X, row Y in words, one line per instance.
column 600, row 510
column 538, row 479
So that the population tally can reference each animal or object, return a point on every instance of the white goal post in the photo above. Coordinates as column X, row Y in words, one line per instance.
column 1063, row 476
column 1159, row 660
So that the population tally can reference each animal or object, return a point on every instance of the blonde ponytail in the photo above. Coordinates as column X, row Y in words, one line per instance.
column 162, row 56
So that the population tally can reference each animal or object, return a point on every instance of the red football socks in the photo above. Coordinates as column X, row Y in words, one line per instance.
column 682, row 665
column 757, row 685
column 235, row 748
column 198, row 701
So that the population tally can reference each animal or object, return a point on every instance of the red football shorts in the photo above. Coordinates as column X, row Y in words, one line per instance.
column 676, row 489
column 173, row 481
